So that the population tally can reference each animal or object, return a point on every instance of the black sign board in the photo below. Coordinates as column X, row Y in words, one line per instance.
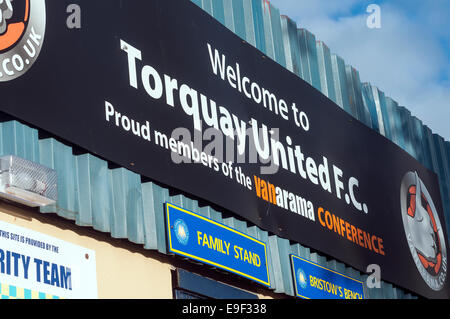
column 163, row 89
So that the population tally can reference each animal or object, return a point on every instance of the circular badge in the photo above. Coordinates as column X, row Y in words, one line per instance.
column 423, row 231
column 301, row 278
column 22, row 30
column 181, row 231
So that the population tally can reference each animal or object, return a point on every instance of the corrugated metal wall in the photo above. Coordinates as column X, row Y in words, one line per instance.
column 116, row 201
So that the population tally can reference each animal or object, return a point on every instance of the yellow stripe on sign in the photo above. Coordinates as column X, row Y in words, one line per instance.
column 20, row 293
column 5, row 290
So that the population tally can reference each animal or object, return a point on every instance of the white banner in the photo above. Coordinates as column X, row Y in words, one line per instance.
column 37, row 266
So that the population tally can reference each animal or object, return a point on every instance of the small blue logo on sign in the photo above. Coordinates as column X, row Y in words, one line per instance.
column 181, row 231
column 302, row 279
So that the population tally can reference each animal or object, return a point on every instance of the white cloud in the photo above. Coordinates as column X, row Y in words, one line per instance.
column 404, row 58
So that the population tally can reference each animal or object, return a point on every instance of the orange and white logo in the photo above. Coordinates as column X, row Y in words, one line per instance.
column 424, row 231
column 22, row 30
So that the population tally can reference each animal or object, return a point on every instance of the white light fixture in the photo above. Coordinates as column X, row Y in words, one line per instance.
column 27, row 182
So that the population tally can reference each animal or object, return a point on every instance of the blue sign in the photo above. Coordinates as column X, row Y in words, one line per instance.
column 313, row 281
column 202, row 239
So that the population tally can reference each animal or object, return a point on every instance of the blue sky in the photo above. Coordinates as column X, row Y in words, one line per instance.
column 408, row 58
